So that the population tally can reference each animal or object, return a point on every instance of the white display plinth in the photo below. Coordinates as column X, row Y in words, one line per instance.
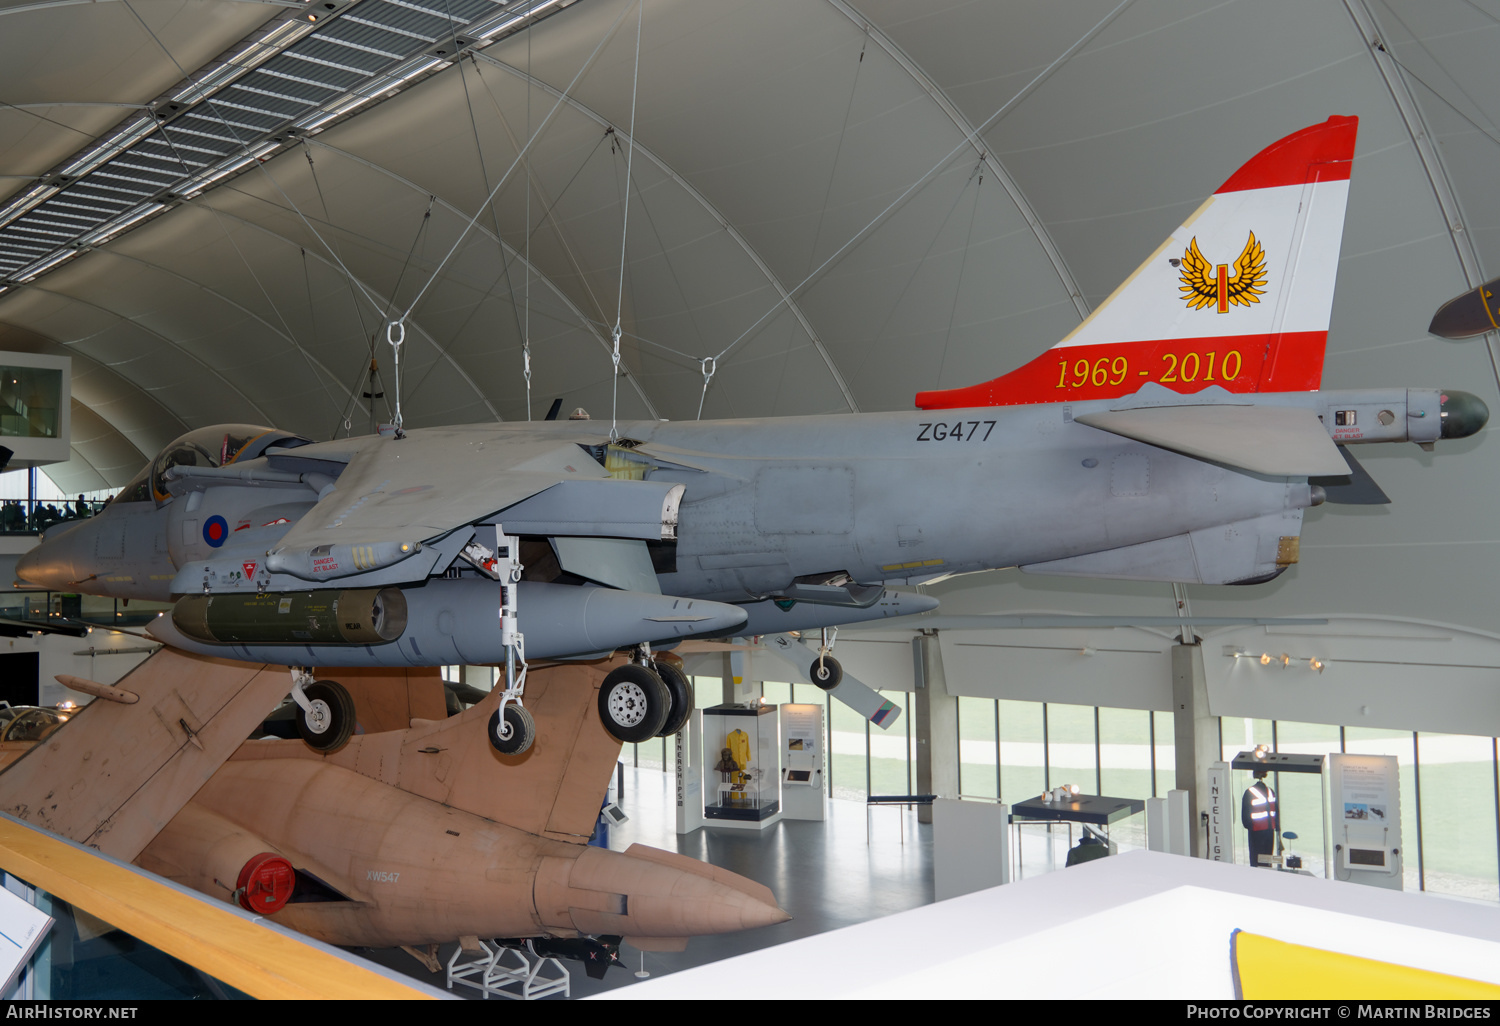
column 970, row 847
column 803, row 786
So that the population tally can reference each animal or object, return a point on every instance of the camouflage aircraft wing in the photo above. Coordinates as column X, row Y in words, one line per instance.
column 1273, row 440
column 397, row 494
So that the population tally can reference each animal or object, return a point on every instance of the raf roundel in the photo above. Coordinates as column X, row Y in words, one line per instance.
column 215, row 530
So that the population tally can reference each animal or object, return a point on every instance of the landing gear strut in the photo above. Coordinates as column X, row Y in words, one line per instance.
column 511, row 727
column 325, row 711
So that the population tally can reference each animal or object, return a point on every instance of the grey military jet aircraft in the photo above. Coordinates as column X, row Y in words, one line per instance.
column 1176, row 435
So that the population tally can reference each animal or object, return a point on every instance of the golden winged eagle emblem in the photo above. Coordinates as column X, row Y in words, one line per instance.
column 1204, row 284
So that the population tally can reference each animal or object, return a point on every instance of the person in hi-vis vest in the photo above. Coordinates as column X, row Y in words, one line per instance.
column 1258, row 814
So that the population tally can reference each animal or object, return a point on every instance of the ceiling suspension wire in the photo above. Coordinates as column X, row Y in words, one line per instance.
column 359, row 311
column 918, row 264
column 590, row 322
column 395, row 332
column 484, row 175
column 970, row 138
column 963, row 263
column 526, row 330
column 640, row 8
column 839, row 150
column 291, row 336
column 524, row 150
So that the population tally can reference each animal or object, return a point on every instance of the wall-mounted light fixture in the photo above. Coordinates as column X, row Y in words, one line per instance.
column 1283, row 661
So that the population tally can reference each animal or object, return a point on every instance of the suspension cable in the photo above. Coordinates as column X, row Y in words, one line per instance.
column 640, row 9
column 524, row 150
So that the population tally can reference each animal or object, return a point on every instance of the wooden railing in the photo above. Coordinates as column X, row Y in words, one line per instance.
column 250, row 954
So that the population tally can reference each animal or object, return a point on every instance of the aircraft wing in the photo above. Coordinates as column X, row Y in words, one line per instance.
column 1275, row 440
column 399, row 493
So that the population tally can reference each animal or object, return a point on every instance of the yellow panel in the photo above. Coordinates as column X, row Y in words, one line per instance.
column 1272, row 969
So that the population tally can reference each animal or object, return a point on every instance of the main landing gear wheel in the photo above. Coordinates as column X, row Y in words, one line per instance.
column 514, row 734
column 826, row 673
column 681, row 694
column 329, row 724
column 633, row 703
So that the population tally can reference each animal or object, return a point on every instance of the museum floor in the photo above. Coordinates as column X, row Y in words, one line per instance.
column 823, row 873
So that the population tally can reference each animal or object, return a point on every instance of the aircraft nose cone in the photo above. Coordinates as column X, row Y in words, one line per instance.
column 50, row 564
column 1463, row 414
column 647, row 893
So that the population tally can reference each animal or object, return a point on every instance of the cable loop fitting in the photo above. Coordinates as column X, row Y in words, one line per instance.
column 710, row 364
column 395, row 333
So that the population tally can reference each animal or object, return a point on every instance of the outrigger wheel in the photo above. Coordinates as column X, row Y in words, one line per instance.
column 681, row 694
column 514, row 734
column 633, row 704
column 826, row 673
column 329, row 724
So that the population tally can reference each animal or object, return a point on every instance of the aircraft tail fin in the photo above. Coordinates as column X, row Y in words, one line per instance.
column 1239, row 296
column 553, row 789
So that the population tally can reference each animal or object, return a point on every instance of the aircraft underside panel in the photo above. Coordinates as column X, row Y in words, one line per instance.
column 1243, row 552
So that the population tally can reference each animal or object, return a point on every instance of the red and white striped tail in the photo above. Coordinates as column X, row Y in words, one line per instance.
column 1238, row 297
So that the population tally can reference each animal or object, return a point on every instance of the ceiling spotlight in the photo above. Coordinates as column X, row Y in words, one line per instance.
column 1316, row 664
column 1265, row 659
column 1286, row 660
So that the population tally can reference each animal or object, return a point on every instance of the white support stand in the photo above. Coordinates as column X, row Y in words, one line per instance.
column 1156, row 825
column 486, row 974
column 1179, row 824
column 689, row 773
column 970, row 847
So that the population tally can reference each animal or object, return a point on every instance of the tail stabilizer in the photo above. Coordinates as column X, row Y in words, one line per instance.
column 1239, row 296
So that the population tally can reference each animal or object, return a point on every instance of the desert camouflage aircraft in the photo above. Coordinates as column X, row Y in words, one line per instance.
column 1176, row 435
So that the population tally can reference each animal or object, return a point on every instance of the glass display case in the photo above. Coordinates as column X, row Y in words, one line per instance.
column 740, row 758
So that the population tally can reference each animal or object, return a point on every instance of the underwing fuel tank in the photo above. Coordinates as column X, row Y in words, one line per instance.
column 440, row 623
column 358, row 616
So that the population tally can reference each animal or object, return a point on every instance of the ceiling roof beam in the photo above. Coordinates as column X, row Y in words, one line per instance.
column 1427, row 153
column 177, row 346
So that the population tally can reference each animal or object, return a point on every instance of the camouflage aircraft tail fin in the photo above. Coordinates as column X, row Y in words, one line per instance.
column 1239, row 296
column 553, row 789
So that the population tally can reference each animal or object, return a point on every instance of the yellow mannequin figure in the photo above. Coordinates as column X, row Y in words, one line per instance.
column 738, row 743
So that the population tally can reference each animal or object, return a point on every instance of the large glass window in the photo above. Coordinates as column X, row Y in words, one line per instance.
column 1166, row 753
column 1458, row 815
column 1125, row 753
column 30, row 398
column 891, row 769
column 1022, row 754
column 1071, row 755
column 978, row 748
column 849, row 769
column 775, row 693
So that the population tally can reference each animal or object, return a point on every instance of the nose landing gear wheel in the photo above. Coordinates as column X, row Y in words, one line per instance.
column 514, row 734
column 681, row 695
column 329, row 724
column 826, row 673
column 633, row 704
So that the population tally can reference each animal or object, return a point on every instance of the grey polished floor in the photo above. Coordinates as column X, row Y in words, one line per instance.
column 824, row 874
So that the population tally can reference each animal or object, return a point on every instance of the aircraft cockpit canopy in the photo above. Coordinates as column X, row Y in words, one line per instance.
column 216, row 446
